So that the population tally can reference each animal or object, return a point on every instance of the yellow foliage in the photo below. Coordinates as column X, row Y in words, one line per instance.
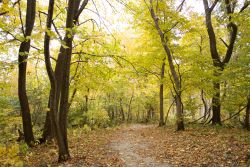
column 9, row 156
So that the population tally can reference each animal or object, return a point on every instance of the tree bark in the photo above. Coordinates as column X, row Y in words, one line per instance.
column 216, row 105
column 22, row 60
column 48, row 132
column 161, row 121
column 247, row 117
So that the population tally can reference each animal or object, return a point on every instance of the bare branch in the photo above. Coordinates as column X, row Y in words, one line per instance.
column 3, row 13
column 179, row 8
column 246, row 4
column 20, row 16
column 84, row 4
column 224, row 42
column 213, row 5
column 15, row 38
column 79, row 61
column 235, row 114
column 57, row 32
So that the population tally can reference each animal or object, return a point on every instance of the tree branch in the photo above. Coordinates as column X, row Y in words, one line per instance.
column 224, row 42
column 246, row 4
column 78, row 13
column 213, row 5
column 234, row 114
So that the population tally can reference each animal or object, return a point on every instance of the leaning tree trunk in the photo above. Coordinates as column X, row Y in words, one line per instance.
column 176, row 78
column 22, row 60
column 161, row 121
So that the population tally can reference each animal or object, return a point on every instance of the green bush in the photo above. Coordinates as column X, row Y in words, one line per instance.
column 86, row 129
column 97, row 118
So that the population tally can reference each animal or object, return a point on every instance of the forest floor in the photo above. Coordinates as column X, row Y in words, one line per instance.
column 149, row 146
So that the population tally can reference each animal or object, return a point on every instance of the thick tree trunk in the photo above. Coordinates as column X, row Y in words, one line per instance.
column 23, row 99
column 217, row 62
column 247, row 117
column 22, row 60
column 48, row 132
column 47, row 129
column 67, row 53
column 180, row 119
column 161, row 121
column 216, row 105
column 63, row 152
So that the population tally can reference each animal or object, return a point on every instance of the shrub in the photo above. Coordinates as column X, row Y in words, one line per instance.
column 9, row 155
column 86, row 129
column 97, row 118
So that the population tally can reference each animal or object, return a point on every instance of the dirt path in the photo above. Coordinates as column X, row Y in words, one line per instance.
column 148, row 146
column 133, row 147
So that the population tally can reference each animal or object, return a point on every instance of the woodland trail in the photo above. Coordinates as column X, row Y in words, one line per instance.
column 133, row 147
column 137, row 145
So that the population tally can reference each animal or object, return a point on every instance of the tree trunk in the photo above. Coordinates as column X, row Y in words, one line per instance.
column 22, row 60
column 121, row 110
column 72, row 97
column 161, row 121
column 217, row 62
column 67, row 53
column 47, row 130
column 216, row 105
column 176, row 78
column 129, row 118
column 59, row 79
column 247, row 117
column 63, row 152
column 87, row 101
column 180, row 119
column 204, row 104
